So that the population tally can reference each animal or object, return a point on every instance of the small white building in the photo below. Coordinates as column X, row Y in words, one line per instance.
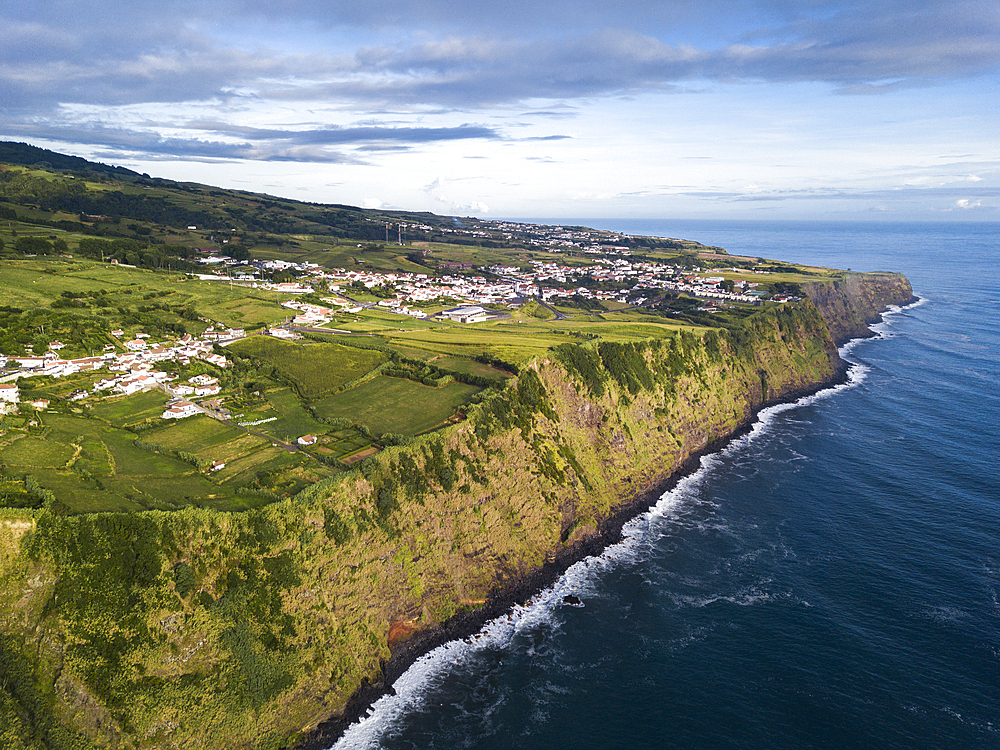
column 180, row 410
column 468, row 314
column 10, row 393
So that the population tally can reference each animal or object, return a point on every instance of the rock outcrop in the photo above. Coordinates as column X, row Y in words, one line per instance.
column 199, row 629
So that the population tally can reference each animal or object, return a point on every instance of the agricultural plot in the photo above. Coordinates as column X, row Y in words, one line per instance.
column 293, row 420
column 92, row 466
column 342, row 444
column 379, row 321
column 316, row 369
column 30, row 453
column 518, row 341
column 395, row 405
column 130, row 410
column 81, row 495
column 467, row 366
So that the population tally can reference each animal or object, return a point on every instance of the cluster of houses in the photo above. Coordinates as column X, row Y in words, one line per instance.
column 129, row 372
column 509, row 284
column 630, row 277
column 10, row 397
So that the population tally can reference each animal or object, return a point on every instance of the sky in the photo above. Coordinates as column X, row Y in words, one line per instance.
column 744, row 109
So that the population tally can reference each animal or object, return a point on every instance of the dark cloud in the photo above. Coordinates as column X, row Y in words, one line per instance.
column 258, row 144
column 439, row 55
column 479, row 55
column 366, row 135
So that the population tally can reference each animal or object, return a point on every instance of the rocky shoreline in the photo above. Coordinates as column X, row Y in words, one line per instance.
column 520, row 591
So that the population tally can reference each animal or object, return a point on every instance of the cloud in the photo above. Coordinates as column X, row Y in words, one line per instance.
column 220, row 140
column 446, row 53
column 260, row 68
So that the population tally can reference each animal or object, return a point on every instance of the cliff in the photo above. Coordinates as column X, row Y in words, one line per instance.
column 202, row 629
column 856, row 300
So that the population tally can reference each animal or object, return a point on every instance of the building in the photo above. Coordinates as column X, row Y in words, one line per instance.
column 180, row 410
column 9, row 393
column 307, row 440
column 469, row 314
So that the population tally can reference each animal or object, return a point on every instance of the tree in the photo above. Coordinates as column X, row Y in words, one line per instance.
column 33, row 245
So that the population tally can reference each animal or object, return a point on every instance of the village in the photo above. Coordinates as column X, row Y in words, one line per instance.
column 613, row 280
column 620, row 280
column 131, row 371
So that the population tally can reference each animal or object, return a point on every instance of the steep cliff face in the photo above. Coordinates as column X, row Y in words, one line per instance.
column 201, row 629
column 856, row 300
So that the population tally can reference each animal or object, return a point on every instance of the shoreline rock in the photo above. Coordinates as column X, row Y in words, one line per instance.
column 520, row 591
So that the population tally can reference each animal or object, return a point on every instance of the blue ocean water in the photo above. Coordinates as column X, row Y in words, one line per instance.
column 831, row 580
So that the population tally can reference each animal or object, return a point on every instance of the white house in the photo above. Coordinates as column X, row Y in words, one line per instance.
column 10, row 393
column 307, row 440
column 180, row 410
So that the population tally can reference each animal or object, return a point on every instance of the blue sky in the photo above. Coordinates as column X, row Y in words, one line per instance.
column 679, row 108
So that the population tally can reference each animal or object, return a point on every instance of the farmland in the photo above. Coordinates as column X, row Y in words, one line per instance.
column 396, row 376
column 314, row 368
column 397, row 406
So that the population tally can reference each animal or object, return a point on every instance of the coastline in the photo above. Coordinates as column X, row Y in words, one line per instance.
column 520, row 592
column 571, row 459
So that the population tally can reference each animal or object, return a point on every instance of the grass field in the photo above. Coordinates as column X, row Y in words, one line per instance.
column 93, row 465
column 396, row 405
column 468, row 366
column 294, row 421
column 31, row 453
column 129, row 410
column 38, row 282
column 316, row 369
column 519, row 341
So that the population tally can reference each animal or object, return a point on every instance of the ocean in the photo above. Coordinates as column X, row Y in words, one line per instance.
column 829, row 580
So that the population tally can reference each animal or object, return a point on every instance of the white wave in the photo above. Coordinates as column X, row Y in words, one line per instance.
column 412, row 688
column 747, row 598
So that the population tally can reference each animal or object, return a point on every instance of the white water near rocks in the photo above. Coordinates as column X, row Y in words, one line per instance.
column 829, row 579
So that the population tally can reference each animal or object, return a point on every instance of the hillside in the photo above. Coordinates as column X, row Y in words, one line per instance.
column 245, row 607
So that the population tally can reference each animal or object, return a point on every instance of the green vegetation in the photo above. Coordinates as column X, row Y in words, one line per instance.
column 315, row 369
column 397, row 406
column 152, row 597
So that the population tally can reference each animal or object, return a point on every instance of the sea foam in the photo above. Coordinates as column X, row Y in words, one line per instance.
column 413, row 686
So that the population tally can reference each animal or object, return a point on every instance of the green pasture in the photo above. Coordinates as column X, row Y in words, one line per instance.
column 314, row 368
column 380, row 321
column 129, row 410
column 198, row 432
column 467, row 366
column 386, row 404
column 81, row 495
column 31, row 453
column 294, row 421
column 37, row 282
column 520, row 340
column 341, row 443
